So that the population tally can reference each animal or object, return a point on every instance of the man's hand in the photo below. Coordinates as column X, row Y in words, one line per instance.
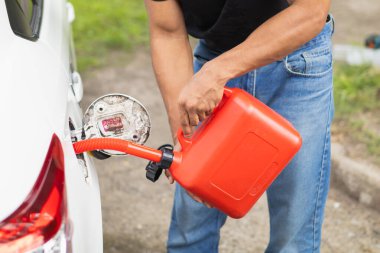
column 199, row 97
column 171, row 179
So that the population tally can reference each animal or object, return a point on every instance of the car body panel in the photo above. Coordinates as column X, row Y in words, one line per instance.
column 36, row 101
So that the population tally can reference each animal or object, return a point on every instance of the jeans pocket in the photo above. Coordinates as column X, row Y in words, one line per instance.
column 310, row 62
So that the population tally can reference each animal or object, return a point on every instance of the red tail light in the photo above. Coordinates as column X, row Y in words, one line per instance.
column 40, row 217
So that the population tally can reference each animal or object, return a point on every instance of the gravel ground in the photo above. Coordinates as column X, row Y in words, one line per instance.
column 136, row 212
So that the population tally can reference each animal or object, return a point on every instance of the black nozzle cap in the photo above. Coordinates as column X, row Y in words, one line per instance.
column 153, row 171
column 167, row 157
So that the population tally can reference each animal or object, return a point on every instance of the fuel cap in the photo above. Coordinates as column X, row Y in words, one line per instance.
column 117, row 116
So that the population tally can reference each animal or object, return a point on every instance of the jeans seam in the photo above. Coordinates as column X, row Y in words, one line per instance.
column 322, row 174
column 251, row 84
column 254, row 82
column 218, row 215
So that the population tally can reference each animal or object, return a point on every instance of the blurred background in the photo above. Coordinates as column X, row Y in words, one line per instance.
column 111, row 40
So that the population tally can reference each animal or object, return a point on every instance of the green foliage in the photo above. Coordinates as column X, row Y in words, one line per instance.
column 356, row 129
column 357, row 89
column 102, row 26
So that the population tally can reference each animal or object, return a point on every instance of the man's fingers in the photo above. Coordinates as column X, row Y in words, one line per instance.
column 193, row 119
column 199, row 200
column 194, row 197
column 169, row 176
column 202, row 116
column 207, row 204
column 185, row 123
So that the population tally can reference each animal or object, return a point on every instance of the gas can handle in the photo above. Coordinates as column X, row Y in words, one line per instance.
column 185, row 142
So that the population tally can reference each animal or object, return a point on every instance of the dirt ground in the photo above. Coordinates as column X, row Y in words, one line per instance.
column 354, row 20
column 136, row 212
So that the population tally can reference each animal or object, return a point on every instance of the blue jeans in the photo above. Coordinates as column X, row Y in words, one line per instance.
column 299, row 87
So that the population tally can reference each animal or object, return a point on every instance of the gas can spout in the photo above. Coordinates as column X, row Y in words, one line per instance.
column 160, row 159
column 118, row 145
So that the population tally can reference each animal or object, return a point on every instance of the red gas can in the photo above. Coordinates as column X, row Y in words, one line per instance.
column 231, row 159
column 235, row 155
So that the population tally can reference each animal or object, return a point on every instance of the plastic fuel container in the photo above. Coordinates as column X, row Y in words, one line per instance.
column 235, row 154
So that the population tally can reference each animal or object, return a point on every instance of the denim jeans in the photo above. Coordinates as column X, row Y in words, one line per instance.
column 299, row 87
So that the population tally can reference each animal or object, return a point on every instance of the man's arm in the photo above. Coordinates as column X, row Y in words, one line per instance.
column 276, row 38
column 273, row 40
column 171, row 54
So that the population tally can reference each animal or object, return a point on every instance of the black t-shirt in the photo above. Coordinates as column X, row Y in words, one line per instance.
column 224, row 24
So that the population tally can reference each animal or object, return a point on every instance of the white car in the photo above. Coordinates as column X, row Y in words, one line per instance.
column 49, row 197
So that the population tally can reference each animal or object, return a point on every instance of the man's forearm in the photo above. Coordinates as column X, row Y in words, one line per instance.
column 171, row 53
column 173, row 67
column 273, row 40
